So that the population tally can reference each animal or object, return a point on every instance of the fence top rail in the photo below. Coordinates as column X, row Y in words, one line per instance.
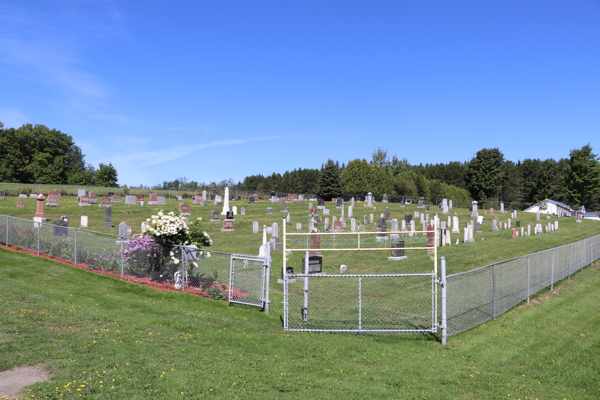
column 430, row 274
column 128, row 238
column 355, row 233
column 516, row 258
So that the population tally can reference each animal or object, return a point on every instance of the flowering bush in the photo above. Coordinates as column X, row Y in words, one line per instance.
column 167, row 230
column 142, row 256
column 197, row 236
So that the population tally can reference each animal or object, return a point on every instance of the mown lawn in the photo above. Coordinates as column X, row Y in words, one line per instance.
column 104, row 338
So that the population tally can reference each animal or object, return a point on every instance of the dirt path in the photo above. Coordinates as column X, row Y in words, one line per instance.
column 12, row 381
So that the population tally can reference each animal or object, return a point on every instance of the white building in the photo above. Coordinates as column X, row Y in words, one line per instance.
column 552, row 207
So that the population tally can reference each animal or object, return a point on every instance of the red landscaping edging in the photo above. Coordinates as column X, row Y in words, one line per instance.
column 168, row 287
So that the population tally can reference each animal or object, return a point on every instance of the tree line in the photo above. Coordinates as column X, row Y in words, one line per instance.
column 37, row 154
column 487, row 176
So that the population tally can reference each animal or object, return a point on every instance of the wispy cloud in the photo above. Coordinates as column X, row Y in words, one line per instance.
column 13, row 118
column 50, row 49
column 146, row 159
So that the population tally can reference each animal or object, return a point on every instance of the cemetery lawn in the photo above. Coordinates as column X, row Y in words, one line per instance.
column 104, row 338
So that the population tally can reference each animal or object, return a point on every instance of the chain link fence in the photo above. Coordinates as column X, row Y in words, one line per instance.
column 476, row 296
column 359, row 303
column 225, row 276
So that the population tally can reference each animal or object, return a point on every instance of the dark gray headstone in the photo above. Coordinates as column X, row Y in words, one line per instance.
column 108, row 217
column 229, row 215
column 315, row 264
column 398, row 245
column 518, row 224
column 408, row 218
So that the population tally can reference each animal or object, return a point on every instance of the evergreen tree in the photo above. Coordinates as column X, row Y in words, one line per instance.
column 484, row 174
column 582, row 177
column 329, row 182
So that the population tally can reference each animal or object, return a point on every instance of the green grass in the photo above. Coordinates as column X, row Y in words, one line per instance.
column 125, row 341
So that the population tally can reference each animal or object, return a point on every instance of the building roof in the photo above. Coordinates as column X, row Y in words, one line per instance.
column 557, row 203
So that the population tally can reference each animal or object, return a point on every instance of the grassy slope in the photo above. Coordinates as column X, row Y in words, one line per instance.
column 121, row 340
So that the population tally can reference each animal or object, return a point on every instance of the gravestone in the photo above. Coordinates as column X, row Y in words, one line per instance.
column 227, row 225
column 315, row 264
column 339, row 203
column 288, row 220
column 502, row 208
column 474, row 213
column 61, row 228
column 234, row 209
column 366, row 219
column 53, row 200
column 326, row 225
column 369, row 199
column 179, row 198
column 537, row 216
column 108, row 216
column 477, row 227
column 215, row 217
column 326, row 211
column 22, row 196
column 123, row 230
column 430, row 236
column 269, row 210
column 386, row 212
column 408, row 217
column 300, row 197
column 184, row 210
column 298, row 226
column 160, row 200
column 450, row 204
column 105, row 202
column 353, row 225
column 152, row 199
column 20, row 204
column 494, row 226
column 83, row 222
column 242, row 210
column 131, row 200
column 385, row 198
column 116, row 198
column 283, row 207
column 251, row 200
column 84, row 201
column 229, row 215
column 255, row 227
column 336, row 225
column 518, row 224
column 350, row 211
column 144, row 227
column 321, row 204
column 93, row 197
column 421, row 203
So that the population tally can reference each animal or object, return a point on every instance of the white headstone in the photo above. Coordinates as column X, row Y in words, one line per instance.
column 84, row 221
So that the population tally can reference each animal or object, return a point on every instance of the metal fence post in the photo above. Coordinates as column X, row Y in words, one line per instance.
column 494, row 291
column 267, row 276
column 359, row 301
column 75, row 245
column 39, row 225
column 7, row 232
column 528, row 277
column 569, row 260
column 305, row 309
column 183, row 270
column 552, row 272
column 231, row 272
column 583, row 255
column 122, row 255
column 443, row 284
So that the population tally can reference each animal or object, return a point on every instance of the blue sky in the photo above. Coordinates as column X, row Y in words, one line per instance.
column 212, row 90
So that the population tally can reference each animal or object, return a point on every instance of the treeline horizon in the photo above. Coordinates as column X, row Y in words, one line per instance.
column 35, row 154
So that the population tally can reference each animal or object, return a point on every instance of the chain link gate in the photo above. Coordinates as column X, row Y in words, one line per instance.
column 247, row 278
column 237, row 278
column 398, row 303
